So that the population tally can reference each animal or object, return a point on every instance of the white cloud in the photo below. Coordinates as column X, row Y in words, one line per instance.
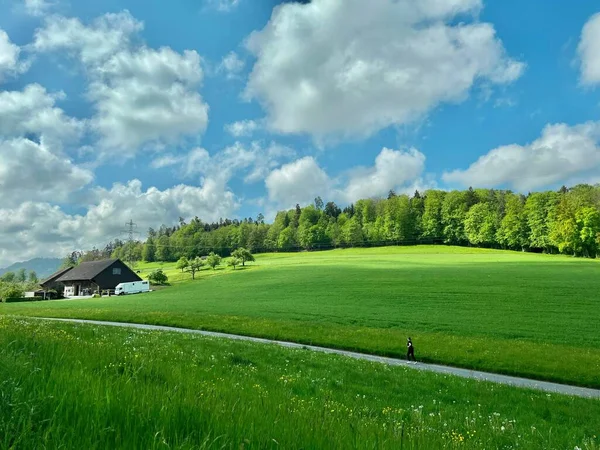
column 33, row 111
column 561, row 153
column 9, row 57
column 253, row 161
column 34, row 229
column 91, row 44
column 393, row 170
column 589, row 51
column 302, row 180
column 346, row 68
column 242, row 128
column 142, row 96
column 232, row 65
column 298, row 182
column 31, row 172
column 37, row 7
column 223, row 5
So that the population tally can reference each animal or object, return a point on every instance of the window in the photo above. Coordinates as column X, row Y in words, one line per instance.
column 117, row 271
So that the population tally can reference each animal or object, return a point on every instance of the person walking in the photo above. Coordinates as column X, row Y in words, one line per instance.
column 410, row 350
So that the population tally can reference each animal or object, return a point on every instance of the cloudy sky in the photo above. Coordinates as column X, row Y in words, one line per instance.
column 150, row 110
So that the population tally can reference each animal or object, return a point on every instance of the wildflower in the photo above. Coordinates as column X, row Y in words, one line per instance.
column 502, row 428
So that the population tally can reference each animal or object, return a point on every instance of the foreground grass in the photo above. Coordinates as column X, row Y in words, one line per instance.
column 76, row 386
column 521, row 314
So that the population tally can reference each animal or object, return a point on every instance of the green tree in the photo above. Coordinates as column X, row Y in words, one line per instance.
column 287, row 239
column 213, row 260
column 513, row 230
column 588, row 225
column 163, row 250
column 71, row 260
column 195, row 265
column 9, row 291
column 33, row 278
column 352, row 233
column 243, row 255
column 480, row 224
column 149, row 250
column 234, row 262
column 454, row 211
column 8, row 277
column 182, row 264
column 158, row 277
column 537, row 211
column 431, row 222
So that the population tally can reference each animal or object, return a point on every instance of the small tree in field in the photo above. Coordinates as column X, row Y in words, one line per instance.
column 183, row 263
column 243, row 255
column 234, row 262
column 213, row 260
column 158, row 277
column 195, row 265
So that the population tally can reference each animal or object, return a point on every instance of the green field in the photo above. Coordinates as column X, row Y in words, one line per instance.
column 516, row 313
column 90, row 387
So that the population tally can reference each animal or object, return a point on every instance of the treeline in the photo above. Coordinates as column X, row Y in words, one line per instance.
column 567, row 221
column 14, row 284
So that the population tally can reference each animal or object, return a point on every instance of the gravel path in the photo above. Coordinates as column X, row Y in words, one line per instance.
column 465, row 373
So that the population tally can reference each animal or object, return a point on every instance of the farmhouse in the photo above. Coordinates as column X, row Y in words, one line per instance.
column 90, row 277
column 51, row 282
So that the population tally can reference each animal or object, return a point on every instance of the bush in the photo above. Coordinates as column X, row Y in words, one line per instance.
column 11, row 291
column 21, row 300
column 158, row 277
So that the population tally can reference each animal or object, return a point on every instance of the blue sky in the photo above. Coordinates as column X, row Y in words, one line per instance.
column 152, row 110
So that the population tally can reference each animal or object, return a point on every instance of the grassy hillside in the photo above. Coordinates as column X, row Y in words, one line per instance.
column 508, row 312
column 88, row 387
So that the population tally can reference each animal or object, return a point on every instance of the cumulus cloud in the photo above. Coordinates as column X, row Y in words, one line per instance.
column 37, row 7
column 589, row 51
column 31, row 172
column 252, row 161
column 559, row 154
column 34, row 228
column 302, row 180
column 9, row 57
column 242, row 128
column 298, row 182
column 393, row 170
column 232, row 65
column 33, row 111
column 341, row 68
column 142, row 96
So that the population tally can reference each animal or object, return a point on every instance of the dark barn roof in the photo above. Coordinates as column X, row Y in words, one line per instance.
column 87, row 271
column 52, row 278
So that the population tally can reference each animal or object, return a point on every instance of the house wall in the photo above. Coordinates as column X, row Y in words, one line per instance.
column 108, row 279
column 77, row 288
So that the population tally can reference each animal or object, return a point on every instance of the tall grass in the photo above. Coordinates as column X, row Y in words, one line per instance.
column 88, row 387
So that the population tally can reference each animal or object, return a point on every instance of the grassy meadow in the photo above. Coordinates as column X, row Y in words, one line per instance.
column 91, row 387
column 522, row 314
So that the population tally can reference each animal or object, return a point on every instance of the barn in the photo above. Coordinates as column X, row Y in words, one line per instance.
column 96, row 276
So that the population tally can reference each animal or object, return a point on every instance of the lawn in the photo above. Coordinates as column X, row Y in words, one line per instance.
column 90, row 387
column 508, row 312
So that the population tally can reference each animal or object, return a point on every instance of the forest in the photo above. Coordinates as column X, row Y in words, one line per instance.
column 565, row 221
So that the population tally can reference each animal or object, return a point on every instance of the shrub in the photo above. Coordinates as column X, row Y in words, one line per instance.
column 158, row 277
column 11, row 291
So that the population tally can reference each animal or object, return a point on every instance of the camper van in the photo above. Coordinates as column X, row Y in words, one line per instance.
column 135, row 287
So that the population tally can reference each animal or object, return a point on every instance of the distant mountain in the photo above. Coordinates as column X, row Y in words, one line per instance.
column 43, row 267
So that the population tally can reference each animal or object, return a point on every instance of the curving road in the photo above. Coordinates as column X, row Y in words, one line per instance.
column 465, row 373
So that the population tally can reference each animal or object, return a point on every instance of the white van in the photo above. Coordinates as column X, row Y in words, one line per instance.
column 134, row 287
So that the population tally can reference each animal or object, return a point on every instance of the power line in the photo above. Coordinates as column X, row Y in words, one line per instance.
column 130, row 231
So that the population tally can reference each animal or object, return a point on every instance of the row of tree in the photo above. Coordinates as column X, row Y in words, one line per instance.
column 566, row 221
column 14, row 284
